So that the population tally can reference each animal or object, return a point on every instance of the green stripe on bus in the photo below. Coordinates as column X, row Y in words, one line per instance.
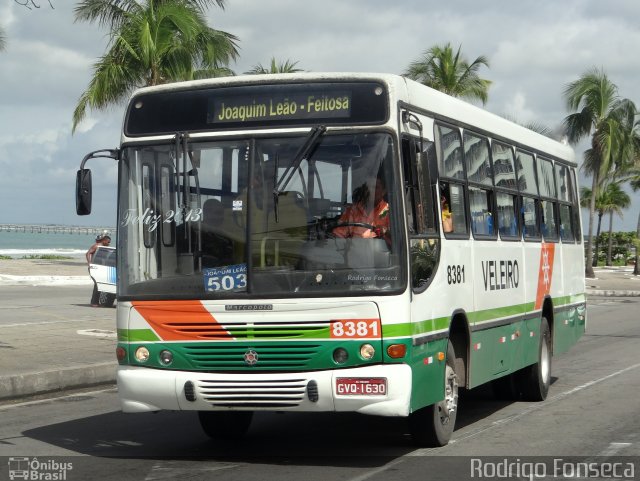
column 137, row 335
column 405, row 329
column 433, row 325
column 500, row 312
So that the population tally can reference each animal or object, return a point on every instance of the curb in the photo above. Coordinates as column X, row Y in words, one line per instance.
column 612, row 293
column 33, row 383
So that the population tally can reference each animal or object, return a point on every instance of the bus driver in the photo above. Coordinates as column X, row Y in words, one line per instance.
column 375, row 214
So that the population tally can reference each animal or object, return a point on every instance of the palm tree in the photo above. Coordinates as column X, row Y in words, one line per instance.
column 283, row 67
column 585, row 201
column 602, row 114
column 442, row 69
column 635, row 185
column 151, row 42
column 615, row 199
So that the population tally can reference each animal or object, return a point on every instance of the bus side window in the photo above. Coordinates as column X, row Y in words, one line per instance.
column 454, row 194
column 530, row 218
column 451, row 168
column 547, row 189
column 507, row 216
column 480, row 202
column 565, row 197
column 548, row 223
column 566, row 228
column 421, row 213
column 419, row 193
column 480, row 177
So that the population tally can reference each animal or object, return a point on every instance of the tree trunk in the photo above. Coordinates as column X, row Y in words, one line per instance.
column 588, row 271
column 610, row 239
column 595, row 254
column 636, row 268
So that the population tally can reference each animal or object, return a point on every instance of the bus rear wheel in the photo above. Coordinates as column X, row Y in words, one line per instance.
column 534, row 380
column 225, row 425
column 432, row 426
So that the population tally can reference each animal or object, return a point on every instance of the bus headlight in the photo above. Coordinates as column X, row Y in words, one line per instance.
column 367, row 351
column 340, row 355
column 142, row 354
column 166, row 357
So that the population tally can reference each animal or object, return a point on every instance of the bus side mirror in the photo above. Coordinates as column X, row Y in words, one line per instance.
column 83, row 192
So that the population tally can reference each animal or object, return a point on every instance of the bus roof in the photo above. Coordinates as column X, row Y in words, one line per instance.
column 432, row 102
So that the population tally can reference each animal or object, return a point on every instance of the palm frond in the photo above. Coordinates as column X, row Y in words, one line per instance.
column 447, row 71
column 152, row 42
column 286, row 66
column 106, row 13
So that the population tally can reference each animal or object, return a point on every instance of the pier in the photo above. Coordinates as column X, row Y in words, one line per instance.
column 56, row 229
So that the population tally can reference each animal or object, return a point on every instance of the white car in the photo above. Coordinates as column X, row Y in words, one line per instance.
column 103, row 271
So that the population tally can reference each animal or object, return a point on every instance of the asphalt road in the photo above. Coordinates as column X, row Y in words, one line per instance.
column 593, row 412
column 48, row 304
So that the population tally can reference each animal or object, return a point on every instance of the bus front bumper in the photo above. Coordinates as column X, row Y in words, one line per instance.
column 143, row 390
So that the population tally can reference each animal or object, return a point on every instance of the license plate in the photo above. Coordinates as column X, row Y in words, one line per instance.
column 361, row 386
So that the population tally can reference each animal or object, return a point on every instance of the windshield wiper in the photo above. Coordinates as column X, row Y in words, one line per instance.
column 312, row 141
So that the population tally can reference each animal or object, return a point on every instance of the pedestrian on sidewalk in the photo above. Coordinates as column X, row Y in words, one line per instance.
column 101, row 240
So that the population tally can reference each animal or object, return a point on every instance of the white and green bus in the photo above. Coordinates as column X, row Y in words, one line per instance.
column 235, row 294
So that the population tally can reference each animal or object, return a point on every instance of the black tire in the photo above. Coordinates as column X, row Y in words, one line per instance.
column 225, row 425
column 432, row 426
column 534, row 380
column 106, row 299
column 506, row 388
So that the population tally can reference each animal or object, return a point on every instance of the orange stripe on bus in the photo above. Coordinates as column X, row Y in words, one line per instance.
column 545, row 272
column 181, row 320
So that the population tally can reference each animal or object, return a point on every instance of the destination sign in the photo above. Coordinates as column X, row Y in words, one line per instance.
column 292, row 106
column 281, row 104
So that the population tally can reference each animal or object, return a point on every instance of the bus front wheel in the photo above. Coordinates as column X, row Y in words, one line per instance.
column 534, row 380
column 225, row 425
column 432, row 426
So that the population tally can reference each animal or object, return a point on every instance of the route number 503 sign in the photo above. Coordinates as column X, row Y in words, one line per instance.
column 227, row 278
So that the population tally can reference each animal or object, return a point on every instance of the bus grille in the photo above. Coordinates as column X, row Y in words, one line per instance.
column 242, row 330
column 224, row 356
column 265, row 394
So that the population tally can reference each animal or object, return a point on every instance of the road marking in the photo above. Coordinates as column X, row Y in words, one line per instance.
column 97, row 333
column 551, row 400
column 182, row 470
column 379, row 470
column 613, row 449
column 42, row 323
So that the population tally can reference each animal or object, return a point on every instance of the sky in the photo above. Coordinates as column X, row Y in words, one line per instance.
column 534, row 48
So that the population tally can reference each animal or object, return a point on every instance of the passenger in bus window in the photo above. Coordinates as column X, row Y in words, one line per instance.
column 447, row 216
column 374, row 216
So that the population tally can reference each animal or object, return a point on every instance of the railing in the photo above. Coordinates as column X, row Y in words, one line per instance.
column 55, row 229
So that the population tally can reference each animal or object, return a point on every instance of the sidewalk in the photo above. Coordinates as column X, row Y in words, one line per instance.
column 45, row 349
column 59, row 343
column 613, row 282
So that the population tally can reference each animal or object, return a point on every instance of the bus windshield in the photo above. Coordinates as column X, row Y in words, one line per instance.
column 204, row 219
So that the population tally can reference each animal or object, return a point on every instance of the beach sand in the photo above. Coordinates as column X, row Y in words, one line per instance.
column 43, row 267
column 43, row 271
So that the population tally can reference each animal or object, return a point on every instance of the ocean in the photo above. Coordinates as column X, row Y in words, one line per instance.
column 52, row 240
